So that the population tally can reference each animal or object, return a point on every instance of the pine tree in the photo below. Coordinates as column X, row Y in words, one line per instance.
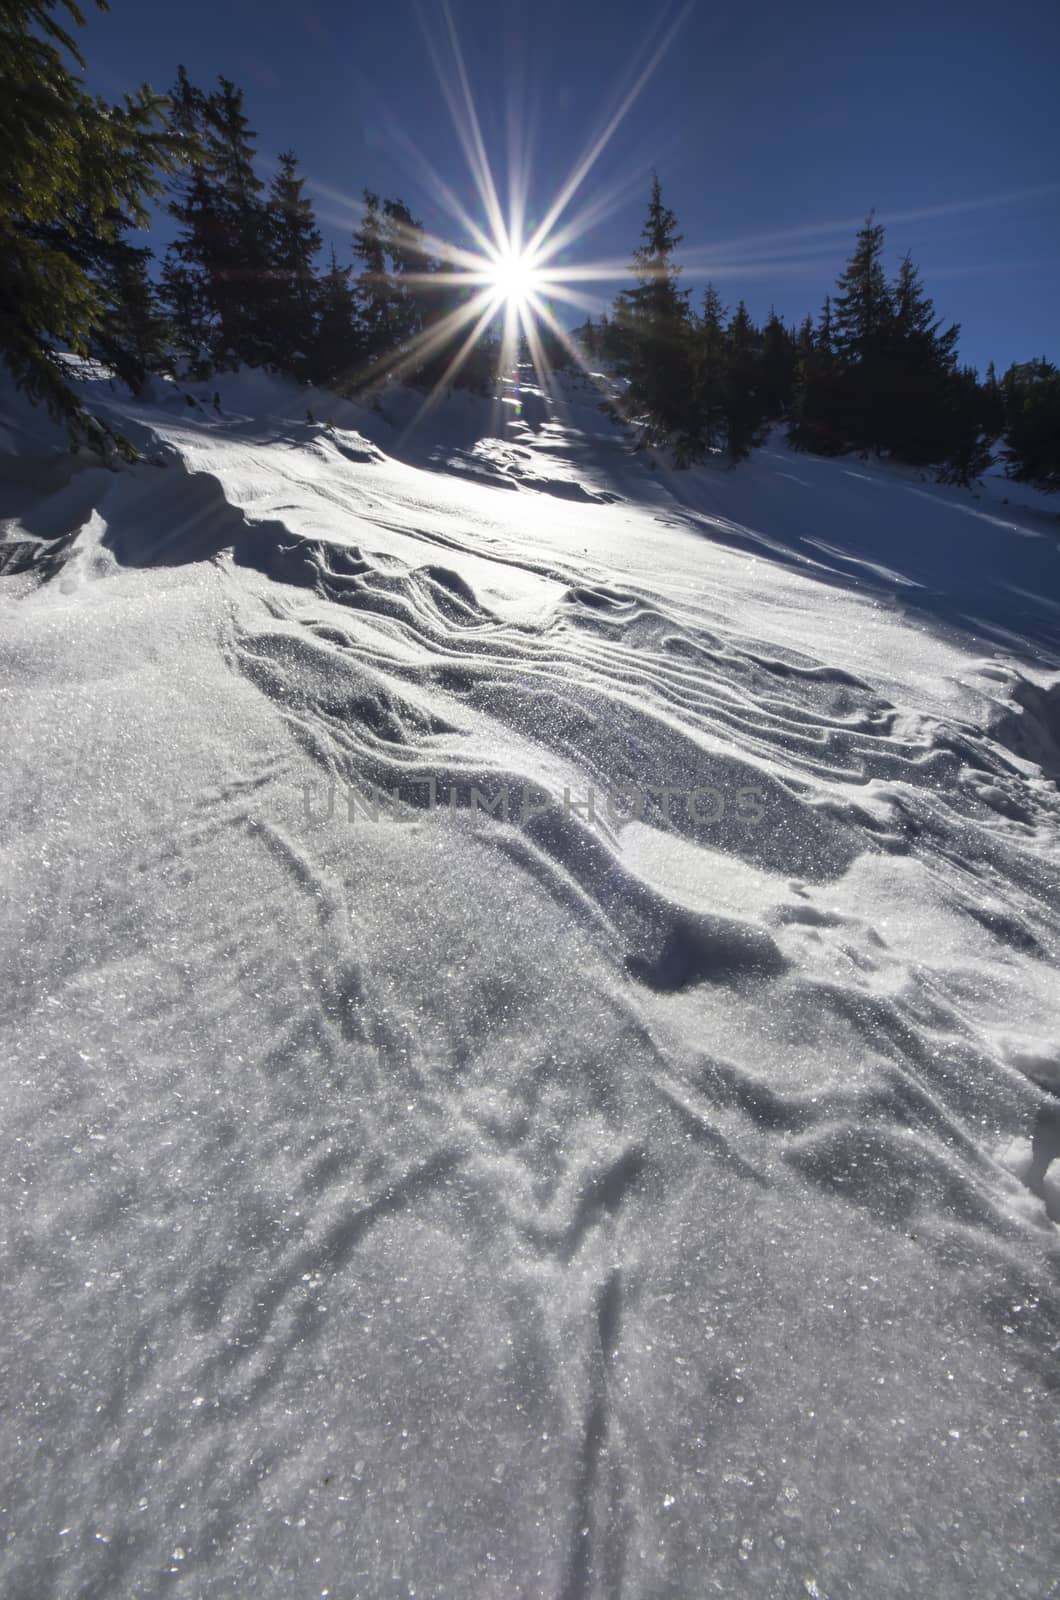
column 993, row 404
column 441, row 354
column 819, row 404
column 408, row 277
column 242, row 285
column 798, row 419
column 587, row 337
column 745, row 414
column 709, row 358
column 189, row 269
column 862, row 312
column 862, row 307
column 217, row 278
column 963, row 428
column 133, row 335
column 129, row 334
column 294, row 242
column 613, row 346
column 655, row 327
column 372, row 289
column 74, row 172
column 778, row 368
column 338, row 350
column 1032, row 438
column 919, row 393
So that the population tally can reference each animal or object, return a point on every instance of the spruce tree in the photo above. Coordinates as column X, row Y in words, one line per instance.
column 709, row 358
column 862, row 312
column 134, row 335
column 294, row 242
column 993, row 404
column 408, row 278
column 338, row 350
column 242, row 283
column 587, row 337
column 612, row 342
column 862, row 306
column 1032, row 438
column 818, row 421
column 218, row 278
column 745, row 413
column 373, row 289
column 189, row 271
column 963, row 429
column 798, row 418
column 655, row 327
column 778, row 368
column 919, row 392
column 75, row 175
column 129, row 331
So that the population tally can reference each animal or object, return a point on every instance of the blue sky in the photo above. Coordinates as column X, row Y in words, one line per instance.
column 774, row 129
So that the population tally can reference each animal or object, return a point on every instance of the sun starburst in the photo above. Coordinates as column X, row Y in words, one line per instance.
column 514, row 275
column 507, row 275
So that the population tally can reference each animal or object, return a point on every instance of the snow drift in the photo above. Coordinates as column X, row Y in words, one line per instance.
column 530, row 1021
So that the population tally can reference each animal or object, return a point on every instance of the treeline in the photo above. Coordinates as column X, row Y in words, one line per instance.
column 877, row 372
column 241, row 283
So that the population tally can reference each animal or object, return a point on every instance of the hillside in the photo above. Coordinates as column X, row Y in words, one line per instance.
column 617, row 1163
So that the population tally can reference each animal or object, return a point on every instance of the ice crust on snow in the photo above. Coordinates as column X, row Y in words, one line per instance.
column 655, row 1199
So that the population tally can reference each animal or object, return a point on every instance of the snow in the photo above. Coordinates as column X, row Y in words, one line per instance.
column 652, row 1201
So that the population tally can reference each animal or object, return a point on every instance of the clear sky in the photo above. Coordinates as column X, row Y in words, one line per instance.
column 774, row 128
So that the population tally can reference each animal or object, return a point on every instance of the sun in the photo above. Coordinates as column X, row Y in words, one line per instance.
column 513, row 276
column 503, row 279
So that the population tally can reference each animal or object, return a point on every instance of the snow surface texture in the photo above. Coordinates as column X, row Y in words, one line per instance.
column 411, row 1201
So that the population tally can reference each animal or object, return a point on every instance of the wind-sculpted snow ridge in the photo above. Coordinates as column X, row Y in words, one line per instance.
column 530, row 1021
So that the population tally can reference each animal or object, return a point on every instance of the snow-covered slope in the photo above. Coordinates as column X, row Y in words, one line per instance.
column 616, row 1161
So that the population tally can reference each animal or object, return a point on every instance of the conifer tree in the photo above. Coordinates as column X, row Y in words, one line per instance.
column 133, row 335
column 862, row 312
column 450, row 353
column 654, row 322
column 437, row 297
column 242, row 283
column 963, row 428
column 612, row 341
column 409, row 266
column 709, row 358
column 882, row 372
column 993, row 404
column 338, row 350
column 189, row 269
column 294, row 242
column 819, row 404
column 778, row 368
column 372, row 289
column 862, row 307
column 798, row 418
column 744, row 405
column 129, row 331
column 919, row 394
column 1032, row 438
column 217, row 276
column 587, row 337
column 75, row 175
